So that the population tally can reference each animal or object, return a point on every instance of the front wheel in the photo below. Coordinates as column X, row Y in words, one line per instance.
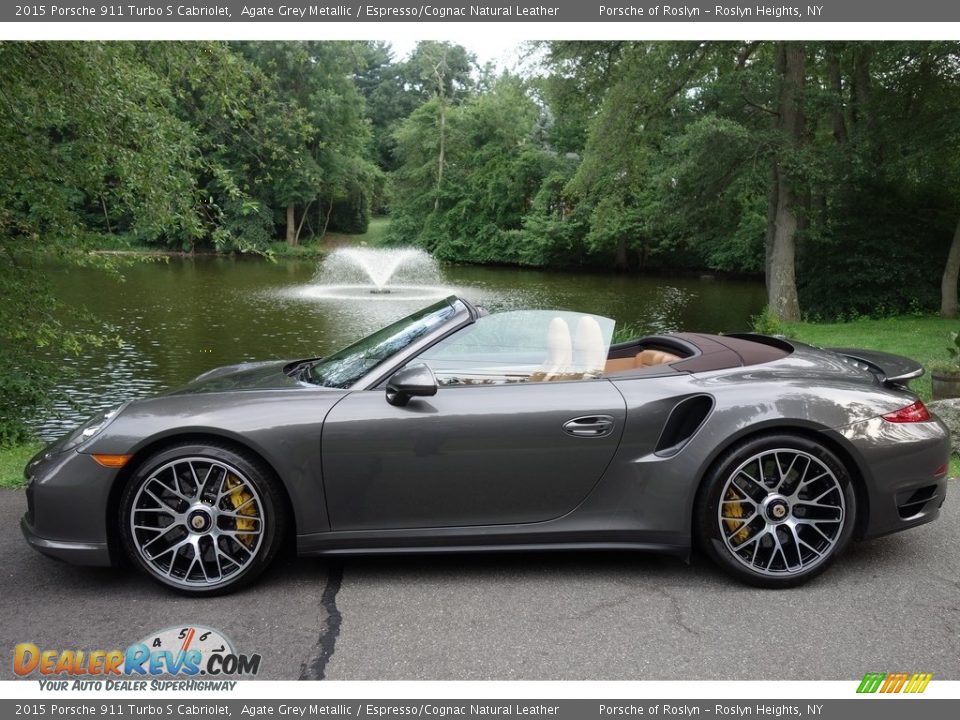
column 203, row 519
column 776, row 510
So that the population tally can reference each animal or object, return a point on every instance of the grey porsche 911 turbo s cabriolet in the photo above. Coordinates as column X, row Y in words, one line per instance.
column 457, row 430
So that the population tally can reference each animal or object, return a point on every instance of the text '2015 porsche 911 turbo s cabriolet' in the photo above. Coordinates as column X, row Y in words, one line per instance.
column 457, row 430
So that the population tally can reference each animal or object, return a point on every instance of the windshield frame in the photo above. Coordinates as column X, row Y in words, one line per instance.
column 463, row 314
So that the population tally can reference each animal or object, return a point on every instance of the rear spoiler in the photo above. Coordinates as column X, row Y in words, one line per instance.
column 890, row 369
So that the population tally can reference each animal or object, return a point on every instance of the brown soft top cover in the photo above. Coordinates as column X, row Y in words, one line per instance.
column 719, row 352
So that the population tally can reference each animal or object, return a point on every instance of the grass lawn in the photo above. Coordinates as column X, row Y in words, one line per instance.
column 12, row 461
column 374, row 235
column 310, row 247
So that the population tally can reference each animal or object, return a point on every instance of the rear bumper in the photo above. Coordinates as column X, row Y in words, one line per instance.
column 901, row 465
column 887, row 517
column 77, row 553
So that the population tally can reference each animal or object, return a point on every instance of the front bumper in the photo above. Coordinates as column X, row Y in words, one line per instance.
column 903, row 468
column 73, row 552
column 67, row 499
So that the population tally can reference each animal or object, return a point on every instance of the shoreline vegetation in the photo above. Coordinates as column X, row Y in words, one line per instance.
column 313, row 249
column 309, row 248
column 376, row 236
column 921, row 337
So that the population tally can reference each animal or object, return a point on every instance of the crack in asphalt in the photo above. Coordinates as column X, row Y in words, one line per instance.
column 597, row 608
column 316, row 668
column 678, row 615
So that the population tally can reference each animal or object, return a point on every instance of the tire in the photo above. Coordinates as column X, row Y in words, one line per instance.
column 204, row 519
column 776, row 510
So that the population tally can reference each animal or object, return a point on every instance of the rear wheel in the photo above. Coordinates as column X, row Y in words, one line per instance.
column 776, row 510
column 203, row 519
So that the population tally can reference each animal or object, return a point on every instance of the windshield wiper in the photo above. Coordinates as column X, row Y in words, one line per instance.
column 299, row 368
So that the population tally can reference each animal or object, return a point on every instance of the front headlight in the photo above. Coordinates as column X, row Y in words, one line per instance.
column 91, row 428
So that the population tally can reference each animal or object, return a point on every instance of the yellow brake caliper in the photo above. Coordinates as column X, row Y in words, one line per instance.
column 734, row 510
column 241, row 501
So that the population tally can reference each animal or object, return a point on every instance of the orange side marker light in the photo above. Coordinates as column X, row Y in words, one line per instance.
column 112, row 461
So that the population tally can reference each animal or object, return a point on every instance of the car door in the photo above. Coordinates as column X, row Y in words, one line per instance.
column 470, row 455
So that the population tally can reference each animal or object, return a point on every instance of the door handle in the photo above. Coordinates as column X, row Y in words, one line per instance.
column 589, row 426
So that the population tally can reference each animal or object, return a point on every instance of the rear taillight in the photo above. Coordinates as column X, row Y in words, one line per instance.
column 917, row 412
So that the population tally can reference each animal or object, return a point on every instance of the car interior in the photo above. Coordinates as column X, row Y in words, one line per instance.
column 585, row 353
column 573, row 349
column 644, row 358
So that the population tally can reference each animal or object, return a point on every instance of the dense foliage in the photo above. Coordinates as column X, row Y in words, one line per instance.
column 831, row 169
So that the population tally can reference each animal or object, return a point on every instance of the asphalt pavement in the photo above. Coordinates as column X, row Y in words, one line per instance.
column 891, row 604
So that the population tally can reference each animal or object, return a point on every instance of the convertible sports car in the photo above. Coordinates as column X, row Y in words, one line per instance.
column 458, row 430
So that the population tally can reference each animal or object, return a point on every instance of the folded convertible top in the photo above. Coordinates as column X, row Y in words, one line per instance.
column 719, row 352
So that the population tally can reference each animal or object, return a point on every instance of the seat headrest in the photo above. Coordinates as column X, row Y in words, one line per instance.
column 588, row 347
column 559, row 345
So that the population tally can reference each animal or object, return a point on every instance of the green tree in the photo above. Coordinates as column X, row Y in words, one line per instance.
column 93, row 144
column 331, row 160
column 616, row 181
column 243, row 131
column 494, row 169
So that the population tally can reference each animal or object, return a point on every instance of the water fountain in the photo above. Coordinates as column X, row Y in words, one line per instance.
column 361, row 273
column 364, row 289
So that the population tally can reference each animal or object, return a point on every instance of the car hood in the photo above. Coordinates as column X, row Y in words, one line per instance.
column 270, row 375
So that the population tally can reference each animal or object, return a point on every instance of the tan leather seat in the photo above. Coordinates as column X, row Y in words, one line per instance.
column 654, row 357
column 617, row 364
column 644, row 358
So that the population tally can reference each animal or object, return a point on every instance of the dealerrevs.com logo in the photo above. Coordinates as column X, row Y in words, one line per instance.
column 189, row 651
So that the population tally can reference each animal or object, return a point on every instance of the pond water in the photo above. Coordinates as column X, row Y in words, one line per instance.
column 179, row 318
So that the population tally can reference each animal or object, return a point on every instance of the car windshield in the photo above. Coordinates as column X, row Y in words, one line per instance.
column 522, row 346
column 343, row 369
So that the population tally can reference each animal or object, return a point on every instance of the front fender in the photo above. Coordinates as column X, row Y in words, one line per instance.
column 283, row 427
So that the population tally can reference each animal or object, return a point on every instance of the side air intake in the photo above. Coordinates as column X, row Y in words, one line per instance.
column 684, row 421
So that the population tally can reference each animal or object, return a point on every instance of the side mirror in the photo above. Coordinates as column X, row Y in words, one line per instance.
column 414, row 381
